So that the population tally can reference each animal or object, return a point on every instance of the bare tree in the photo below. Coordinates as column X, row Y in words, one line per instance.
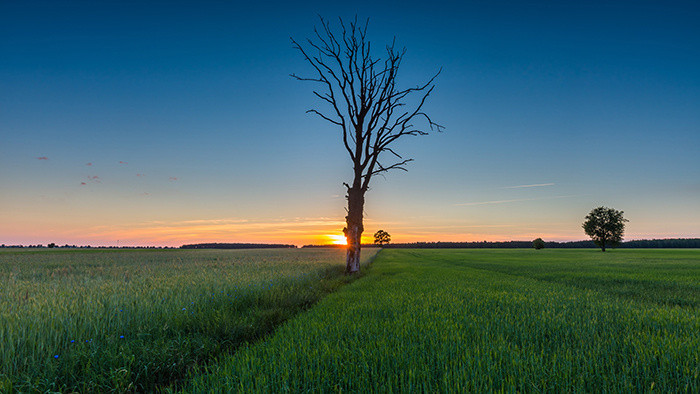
column 366, row 104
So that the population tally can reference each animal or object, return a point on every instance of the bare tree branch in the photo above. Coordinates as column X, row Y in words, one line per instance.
column 366, row 103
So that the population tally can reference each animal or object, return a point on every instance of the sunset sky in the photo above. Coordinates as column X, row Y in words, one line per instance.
column 171, row 122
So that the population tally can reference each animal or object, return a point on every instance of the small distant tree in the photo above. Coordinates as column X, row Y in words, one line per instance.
column 381, row 237
column 52, row 245
column 605, row 226
column 538, row 244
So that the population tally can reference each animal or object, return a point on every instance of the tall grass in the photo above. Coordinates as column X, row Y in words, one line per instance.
column 138, row 320
column 484, row 321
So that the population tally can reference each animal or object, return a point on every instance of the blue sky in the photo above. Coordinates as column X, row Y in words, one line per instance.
column 550, row 109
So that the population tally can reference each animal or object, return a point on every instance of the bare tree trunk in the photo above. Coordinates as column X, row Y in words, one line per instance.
column 368, row 107
column 354, row 229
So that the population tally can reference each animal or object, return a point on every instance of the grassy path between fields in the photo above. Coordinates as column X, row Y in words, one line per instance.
column 486, row 320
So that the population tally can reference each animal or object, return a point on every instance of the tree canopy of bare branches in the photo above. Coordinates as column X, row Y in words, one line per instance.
column 362, row 98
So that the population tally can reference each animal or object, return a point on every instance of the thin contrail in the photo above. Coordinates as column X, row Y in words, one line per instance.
column 524, row 186
column 507, row 201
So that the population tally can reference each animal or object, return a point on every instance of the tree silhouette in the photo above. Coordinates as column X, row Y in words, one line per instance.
column 605, row 226
column 381, row 237
column 538, row 244
column 364, row 101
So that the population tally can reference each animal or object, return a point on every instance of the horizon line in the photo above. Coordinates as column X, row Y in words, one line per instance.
column 67, row 246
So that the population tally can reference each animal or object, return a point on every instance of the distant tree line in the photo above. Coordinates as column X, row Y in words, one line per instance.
column 53, row 245
column 645, row 243
column 234, row 246
column 663, row 243
column 684, row 243
column 462, row 245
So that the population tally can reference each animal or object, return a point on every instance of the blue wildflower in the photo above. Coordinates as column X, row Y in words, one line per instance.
column 56, row 356
column 121, row 337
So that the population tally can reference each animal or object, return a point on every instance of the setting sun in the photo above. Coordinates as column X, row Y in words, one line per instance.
column 336, row 239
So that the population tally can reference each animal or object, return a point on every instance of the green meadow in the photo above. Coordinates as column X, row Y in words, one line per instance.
column 488, row 320
column 288, row 320
column 138, row 320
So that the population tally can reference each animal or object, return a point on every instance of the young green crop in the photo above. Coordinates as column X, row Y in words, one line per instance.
column 488, row 320
column 135, row 320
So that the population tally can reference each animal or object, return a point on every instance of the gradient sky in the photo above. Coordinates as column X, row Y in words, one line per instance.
column 171, row 122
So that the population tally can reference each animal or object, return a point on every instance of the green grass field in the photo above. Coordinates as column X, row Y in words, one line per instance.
column 137, row 320
column 488, row 320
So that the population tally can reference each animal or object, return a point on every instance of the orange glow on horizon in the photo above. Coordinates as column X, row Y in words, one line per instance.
column 297, row 231
column 336, row 239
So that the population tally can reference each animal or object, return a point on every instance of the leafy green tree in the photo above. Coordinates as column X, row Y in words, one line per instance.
column 538, row 244
column 605, row 226
column 381, row 237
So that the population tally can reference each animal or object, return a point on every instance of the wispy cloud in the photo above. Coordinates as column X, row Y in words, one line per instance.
column 42, row 158
column 525, row 186
column 94, row 178
column 509, row 201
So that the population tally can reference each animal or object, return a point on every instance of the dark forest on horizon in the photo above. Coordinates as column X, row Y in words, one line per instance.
column 667, row 243
column 633, row 244
column 218, row 245
column 686, row 243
